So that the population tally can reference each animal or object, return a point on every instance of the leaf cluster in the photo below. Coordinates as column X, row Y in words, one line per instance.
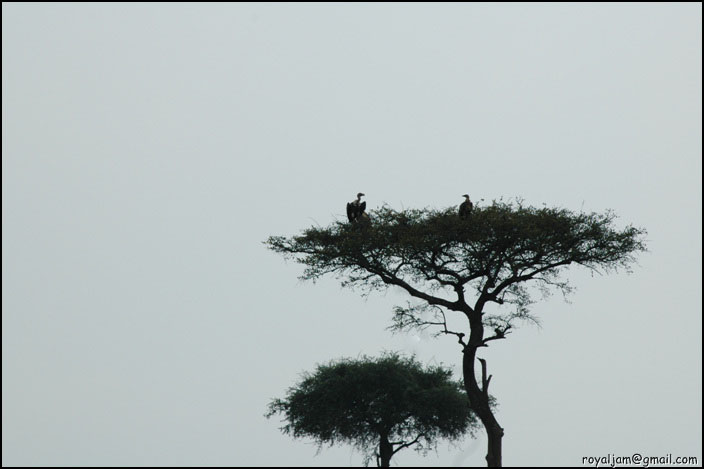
column 356, row 401
column 494, row 252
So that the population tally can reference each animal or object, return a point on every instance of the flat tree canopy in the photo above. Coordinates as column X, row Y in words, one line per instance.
column 487, row 265
column 492, row 251
column 378, row 405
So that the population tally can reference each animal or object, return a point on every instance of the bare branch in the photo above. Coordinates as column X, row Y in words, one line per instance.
column 408, row 319
column 406, row 445
column 499, row 333
column 485, row 379
column 460, row 335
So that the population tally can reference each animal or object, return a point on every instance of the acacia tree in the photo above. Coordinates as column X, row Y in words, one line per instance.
column 487, row 268
column 380, row 406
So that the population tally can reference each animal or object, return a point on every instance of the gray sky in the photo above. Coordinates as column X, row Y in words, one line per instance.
column 149, row 149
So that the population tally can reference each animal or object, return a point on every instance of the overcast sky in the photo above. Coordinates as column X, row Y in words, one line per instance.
column 149, row 149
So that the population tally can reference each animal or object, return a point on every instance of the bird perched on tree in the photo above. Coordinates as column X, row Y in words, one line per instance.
column 466, row 207
column 355, row 209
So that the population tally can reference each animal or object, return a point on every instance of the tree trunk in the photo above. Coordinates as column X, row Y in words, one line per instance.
column 479, row 400
column 386, row 450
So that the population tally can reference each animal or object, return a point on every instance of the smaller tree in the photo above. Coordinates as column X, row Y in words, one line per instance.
column 380, row 406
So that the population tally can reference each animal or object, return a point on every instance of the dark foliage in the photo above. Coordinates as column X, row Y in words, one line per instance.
column 359, row 401
column 495, row 253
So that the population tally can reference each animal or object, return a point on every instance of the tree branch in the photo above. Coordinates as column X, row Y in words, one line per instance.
column 407, row 318
column 460, row 335
column 406, row 445
column 485, row 380
column 391, row 279
column 522, row 278
column 499, row 333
